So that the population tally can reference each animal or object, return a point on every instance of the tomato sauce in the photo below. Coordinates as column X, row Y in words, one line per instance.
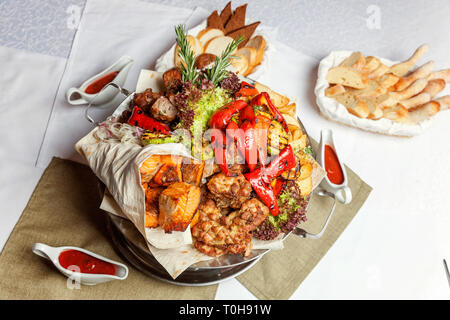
column 332, row 166
column 98, row 84
column 86, row 263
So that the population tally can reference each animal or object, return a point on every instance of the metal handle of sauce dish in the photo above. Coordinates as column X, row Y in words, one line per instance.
column 303, row 233
column 123, row 91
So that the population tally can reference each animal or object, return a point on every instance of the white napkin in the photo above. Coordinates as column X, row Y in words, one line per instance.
column 108, row 29
column 28, row 83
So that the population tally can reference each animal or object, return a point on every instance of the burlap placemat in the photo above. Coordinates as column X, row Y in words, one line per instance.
column 64, row 210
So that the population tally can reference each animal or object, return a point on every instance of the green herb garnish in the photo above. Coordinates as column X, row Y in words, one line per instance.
column 188, row 70
column 218, row 71
column 308, row 150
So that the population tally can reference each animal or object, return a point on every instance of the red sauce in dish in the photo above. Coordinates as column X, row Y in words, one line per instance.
column 98, row 84
column 332, row 166
column 86, row 263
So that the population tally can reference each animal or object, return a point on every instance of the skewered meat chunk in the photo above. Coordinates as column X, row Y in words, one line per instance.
column 172, row 79
column 145, row 99
column 252, row 213
column 163, row 110
column 214, row 237
column 192, row 172
column 170, row 171
column 151, row 206
column 229, row 191
column 177, row 206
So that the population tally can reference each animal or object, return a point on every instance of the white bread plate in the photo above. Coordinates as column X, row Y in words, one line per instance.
column 166, row 61
column 333, row 110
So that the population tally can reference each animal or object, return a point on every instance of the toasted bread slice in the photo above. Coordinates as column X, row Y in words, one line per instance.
column 207, row 34
column 375, row 111
column 355, row 60
column 214, row 21
column 373, row 89
column 217, row 45
column 195, row 46
column 387, row 80
column 371, row 64
column 239, row 63
column 334, row 90
column 250, row 54
column 237, row 19
column 246, row 32
column 346, row 76
column 379, row 71
column 278, row 99
column 259, row 43
column 226, row 13
column 355, row 106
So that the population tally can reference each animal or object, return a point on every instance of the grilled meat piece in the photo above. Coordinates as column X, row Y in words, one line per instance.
column 213, row 237
column 172, row 80
column 170, row 171
column 229, row 191
column 204, row 60
column 192, row 172
column 145, row 99
column 177, row 206
column 163, row 110
column 252, row 213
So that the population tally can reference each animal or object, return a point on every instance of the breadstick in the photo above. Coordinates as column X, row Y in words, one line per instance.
column 402, row 68
column 415, row 101
column 441, row 74
column 434, row 87
column 396, row 113
column 444, row 102
column 410, row 91
column 422, row 72
column 424, row 111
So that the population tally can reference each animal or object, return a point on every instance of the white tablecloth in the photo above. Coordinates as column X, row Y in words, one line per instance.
column 392, row 249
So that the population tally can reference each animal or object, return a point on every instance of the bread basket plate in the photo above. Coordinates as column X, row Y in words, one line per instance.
column 333, row 110
column 166, row 61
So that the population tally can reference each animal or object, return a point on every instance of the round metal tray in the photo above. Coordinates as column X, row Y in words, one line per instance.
column 131, row 245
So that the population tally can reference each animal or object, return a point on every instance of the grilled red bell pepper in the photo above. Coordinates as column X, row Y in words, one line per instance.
column 140, row 119
column 222, row 117
column 246, row 90
column 247, row 114
column 264, row 99
column 263, row 190
column 284, row 161
column 219, row 143
column 262, row 125
column 246, row 143
column 277, row 185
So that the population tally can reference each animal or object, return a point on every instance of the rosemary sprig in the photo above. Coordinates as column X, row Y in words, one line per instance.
column 218, row 71
column 188, row 70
